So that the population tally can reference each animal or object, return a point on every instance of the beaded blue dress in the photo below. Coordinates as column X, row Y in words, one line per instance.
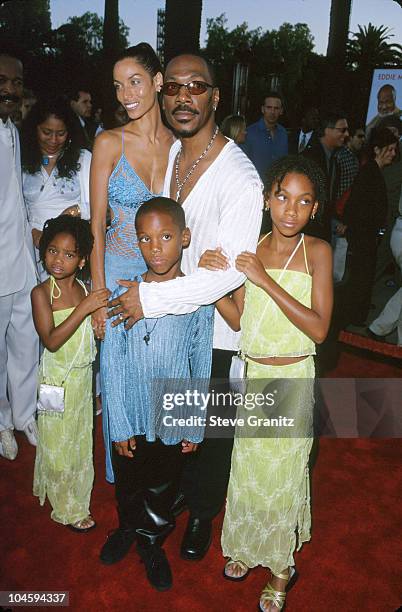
column 123, row 260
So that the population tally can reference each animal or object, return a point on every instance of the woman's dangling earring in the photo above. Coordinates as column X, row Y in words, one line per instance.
column 312, row 217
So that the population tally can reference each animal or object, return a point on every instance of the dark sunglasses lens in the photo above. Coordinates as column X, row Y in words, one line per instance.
column 170, row 89
column 197, row 87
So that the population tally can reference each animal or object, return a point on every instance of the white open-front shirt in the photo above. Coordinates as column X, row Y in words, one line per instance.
column 224, row 209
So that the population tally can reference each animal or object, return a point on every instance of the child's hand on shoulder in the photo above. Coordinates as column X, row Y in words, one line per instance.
column 96, row 299
column 251, row 266
column 214, row 260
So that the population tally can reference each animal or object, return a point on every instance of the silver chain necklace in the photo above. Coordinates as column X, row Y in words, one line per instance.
column 180, row 184
column 148, row 332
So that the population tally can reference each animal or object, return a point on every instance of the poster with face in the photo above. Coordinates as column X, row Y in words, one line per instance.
column 385, row 95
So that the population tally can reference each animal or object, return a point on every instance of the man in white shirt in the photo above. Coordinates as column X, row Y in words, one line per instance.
column 19, row 346
column 221, row 193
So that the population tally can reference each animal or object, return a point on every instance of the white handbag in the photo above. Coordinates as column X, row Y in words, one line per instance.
column 238, row 374
column 51, row 397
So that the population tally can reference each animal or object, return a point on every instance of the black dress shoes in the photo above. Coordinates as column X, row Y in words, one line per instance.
column 117, row 545
column 197, row 539
column 157, row 566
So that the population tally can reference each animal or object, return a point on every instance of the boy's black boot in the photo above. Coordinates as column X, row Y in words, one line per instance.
column 117, row 545
column 157, row 566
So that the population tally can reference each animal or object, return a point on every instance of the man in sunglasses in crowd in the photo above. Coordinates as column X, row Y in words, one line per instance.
column 348, row 160
column 331, row 136
column 222, row 196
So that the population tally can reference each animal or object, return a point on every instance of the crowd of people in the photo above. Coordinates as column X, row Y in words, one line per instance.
column 144, row 240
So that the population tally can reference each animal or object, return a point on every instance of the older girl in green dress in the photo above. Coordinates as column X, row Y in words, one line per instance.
column 283, row 310
column 61, row 305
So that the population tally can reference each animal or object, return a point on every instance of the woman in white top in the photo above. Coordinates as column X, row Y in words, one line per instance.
column 55, row 169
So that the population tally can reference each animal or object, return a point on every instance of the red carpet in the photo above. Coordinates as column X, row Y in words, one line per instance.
column 352, row 562
column 384, row 348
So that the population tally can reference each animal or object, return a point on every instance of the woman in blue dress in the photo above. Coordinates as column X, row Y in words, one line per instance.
column 128, row 168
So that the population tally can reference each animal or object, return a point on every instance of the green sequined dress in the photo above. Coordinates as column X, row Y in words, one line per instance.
column 64, row 457
column 268, row 503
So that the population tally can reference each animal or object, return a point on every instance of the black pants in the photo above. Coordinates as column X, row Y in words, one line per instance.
column 358, row 289
column 146, row 486
column 206, row 472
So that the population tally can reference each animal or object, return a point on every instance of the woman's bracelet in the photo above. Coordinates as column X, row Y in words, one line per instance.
column 77, row 212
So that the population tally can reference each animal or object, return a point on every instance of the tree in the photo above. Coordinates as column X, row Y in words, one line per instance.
column 367, row 49
column 370, row 48
column 25, row 26
column 77, row 52
column 338, row 29
column 285, row 52
column 56, row 60
column 111, row 38
column 182, row 27
column 112, row 45
column 84, row 35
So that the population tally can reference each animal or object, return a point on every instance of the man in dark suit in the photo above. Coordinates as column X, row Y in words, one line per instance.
column 300, row 139
column 331, row 136
column 81, row 104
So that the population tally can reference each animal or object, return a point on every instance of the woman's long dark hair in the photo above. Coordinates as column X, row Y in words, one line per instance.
column 144, row 55
column 379, row 137
column 31, row 156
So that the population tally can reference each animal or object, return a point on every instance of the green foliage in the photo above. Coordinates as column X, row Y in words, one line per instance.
column 25, row 26
column 55, row 60
column 367, row 49
column 370, row 48
column 286, row 52
column 84, row 35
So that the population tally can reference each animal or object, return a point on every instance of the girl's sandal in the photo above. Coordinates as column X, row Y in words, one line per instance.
column 231, row 563
column 84, row 525
column 277, row 598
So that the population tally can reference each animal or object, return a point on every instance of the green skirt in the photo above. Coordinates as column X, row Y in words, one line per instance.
column 267, row 513
column 64, row 465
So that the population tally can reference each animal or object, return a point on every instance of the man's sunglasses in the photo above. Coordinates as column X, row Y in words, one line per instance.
column 194, row 88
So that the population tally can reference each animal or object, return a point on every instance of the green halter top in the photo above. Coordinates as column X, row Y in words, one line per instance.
column 266, row 330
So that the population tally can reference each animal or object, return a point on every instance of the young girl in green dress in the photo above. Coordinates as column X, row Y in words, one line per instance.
column 283, row 310
column 61, row 305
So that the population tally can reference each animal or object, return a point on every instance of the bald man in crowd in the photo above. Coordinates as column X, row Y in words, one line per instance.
column 19, row 346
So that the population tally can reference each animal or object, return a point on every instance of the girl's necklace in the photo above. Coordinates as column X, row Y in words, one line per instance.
column 148, row 333
column 180, row 184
